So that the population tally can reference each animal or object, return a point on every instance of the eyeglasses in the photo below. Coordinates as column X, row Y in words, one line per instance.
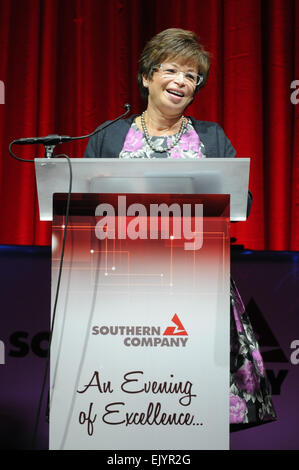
column 172, row 71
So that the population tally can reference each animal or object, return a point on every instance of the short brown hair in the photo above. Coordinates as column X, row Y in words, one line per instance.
column 169, row 44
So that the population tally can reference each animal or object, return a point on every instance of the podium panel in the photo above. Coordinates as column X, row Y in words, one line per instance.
column 140, row 347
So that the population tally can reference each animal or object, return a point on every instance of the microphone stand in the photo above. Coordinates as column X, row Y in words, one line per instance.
column 49, row 150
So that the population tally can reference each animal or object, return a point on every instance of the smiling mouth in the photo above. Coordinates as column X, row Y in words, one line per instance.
column 175, row 93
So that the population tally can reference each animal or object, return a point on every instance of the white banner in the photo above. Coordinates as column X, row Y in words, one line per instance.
column 140, row 351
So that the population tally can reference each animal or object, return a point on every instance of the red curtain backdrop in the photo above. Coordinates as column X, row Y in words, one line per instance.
column 68, row 65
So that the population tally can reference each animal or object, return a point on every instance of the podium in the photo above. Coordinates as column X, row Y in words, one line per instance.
column 140, row 345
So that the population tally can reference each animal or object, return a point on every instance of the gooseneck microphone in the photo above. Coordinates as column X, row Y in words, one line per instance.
column 50, row 141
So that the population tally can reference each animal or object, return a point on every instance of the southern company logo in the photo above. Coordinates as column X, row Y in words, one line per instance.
column 177, row 330
column 147, row 336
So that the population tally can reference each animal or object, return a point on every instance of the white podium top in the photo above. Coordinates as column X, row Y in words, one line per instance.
column 155, row 176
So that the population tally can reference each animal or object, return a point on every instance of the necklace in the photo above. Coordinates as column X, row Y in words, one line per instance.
column 148, row 139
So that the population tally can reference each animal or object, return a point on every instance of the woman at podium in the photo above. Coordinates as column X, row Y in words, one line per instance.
column 172, row 68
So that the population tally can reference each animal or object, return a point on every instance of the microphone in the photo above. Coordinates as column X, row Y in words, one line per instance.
column 54, row 139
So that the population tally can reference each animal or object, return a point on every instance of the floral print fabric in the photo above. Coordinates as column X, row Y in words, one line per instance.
column 136, row 146
column 250, row 397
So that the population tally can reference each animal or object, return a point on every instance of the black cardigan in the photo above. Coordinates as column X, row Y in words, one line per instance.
column 109, row 142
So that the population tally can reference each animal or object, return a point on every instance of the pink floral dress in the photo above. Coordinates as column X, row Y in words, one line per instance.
column 250, row 397
column 136, row 146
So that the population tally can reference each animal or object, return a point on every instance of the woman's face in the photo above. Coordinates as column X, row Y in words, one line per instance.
column 170, row 93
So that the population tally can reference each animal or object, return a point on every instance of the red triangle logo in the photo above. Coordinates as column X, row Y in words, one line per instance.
column 177, row 330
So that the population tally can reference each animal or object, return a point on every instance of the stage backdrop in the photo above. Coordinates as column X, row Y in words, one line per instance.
column 68, row 65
